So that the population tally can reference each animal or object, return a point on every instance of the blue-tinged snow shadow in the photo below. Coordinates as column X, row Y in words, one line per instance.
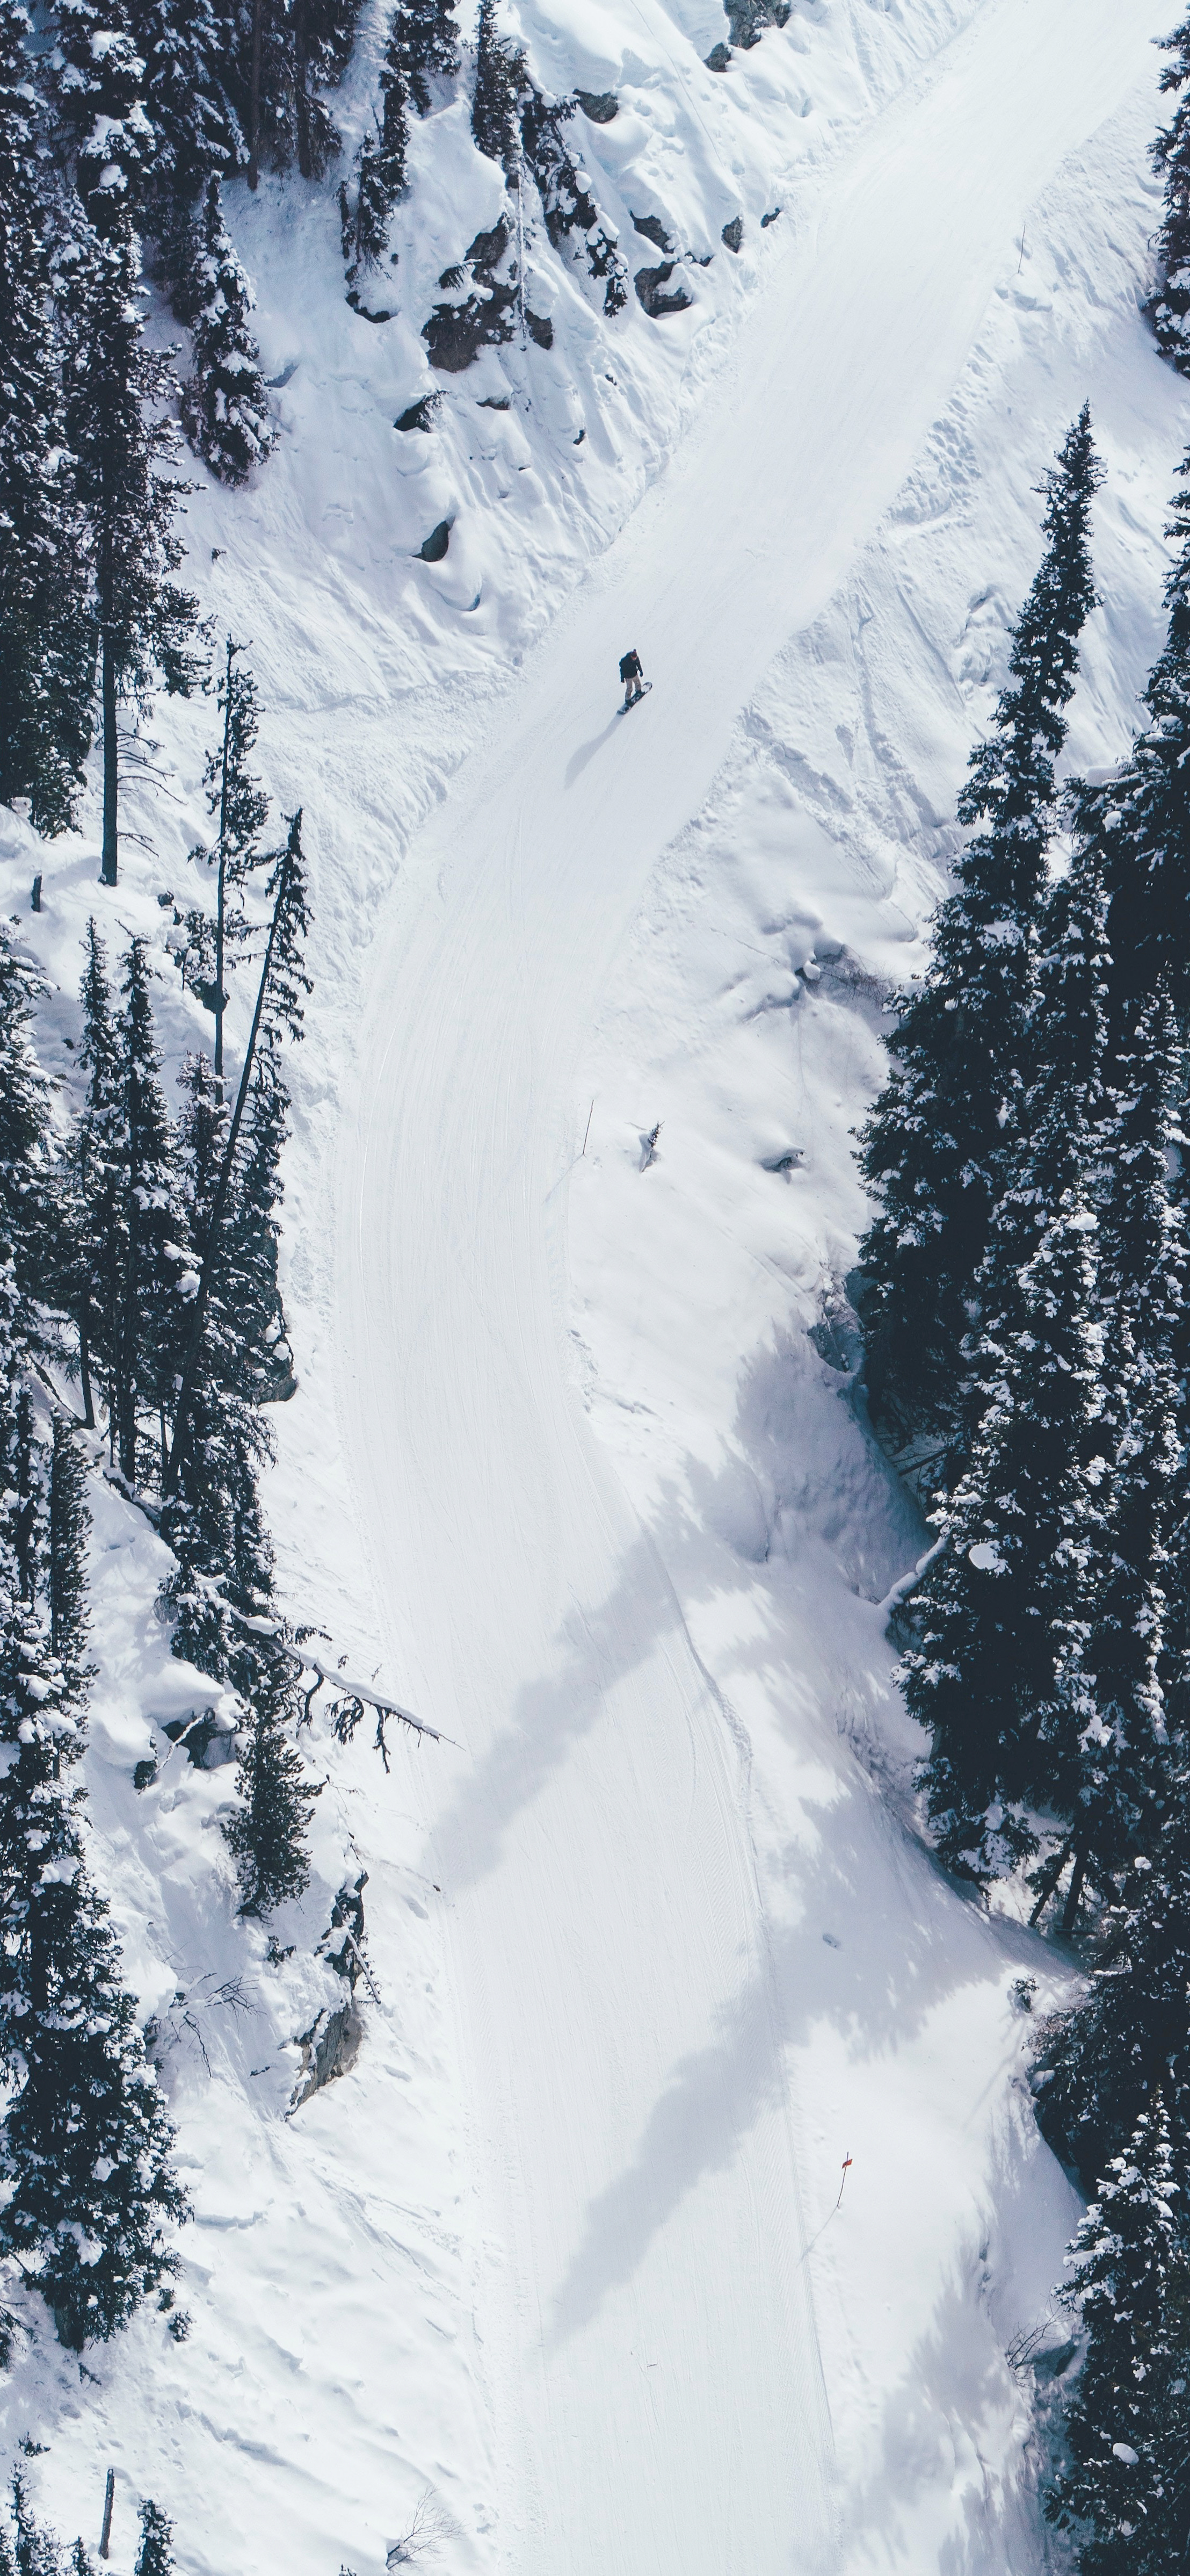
column 579, row 760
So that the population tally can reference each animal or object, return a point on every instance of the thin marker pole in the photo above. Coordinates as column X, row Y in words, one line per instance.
column 587, row 1130
column 109, row 2498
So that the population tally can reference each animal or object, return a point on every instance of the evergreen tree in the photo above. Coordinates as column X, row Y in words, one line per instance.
column 146, row 623
column 28, row 1199
column 267, row 1833
column 47, row 642
column 85, row 2150
column 98, row 1249
column 1142, row 1265
column 235, row 795
column 184, row 50
column 155, row 1259
column 937, row 1145
column 1127, row 2426
column 1171, row 161
column 423, row 44
column 295, row 51
column 999, row 1674
column 225, row 407
column 494, row 119
column 1102, row 2064
column 97, row 80
column 155, row 2556
column 66, row 1579
column 37, row 2552
column 1140, row 819
column 380, row 167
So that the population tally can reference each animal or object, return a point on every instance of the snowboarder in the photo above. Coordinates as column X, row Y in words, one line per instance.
column 633, row 677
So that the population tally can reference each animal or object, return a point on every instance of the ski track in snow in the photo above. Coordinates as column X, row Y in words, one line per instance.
column 656, row 1950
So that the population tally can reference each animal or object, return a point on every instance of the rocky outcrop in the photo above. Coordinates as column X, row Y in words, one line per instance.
column 572, row 217
column 652, row 285
column 601, row 105
column 748, row 19
column 484, row 316
column 329, row 2048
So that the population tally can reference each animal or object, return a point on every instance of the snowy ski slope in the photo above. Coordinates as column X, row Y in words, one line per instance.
column 656, row 1946
column 654, row 2355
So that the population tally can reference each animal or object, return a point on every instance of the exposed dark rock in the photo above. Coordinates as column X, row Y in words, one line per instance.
column 364, row 311
column 329, row 2048
column 420, row 414
column 343, row 1941
column 566, row 200
column 748, row 19
column 601, row 105
column 486, row 252
column 144, row 1775
column 494, row 402
column 455, row 333
column 718, row 58
column 209, row 1740
column 733, row 233
column 766, row 220
column 652, row 229
column 540, row 329
column 650, row 286
column 436, row 543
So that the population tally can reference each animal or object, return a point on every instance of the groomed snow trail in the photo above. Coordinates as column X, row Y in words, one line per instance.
column 659, row 2407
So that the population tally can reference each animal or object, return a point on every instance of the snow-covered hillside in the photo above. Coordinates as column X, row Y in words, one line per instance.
column 573, row 1460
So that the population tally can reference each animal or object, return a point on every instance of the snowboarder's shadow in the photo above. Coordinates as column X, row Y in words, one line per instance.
column 579, row 759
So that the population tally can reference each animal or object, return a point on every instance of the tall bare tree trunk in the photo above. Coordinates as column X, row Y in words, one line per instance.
column 301, row 88
column 108, row 869
column 254, row 100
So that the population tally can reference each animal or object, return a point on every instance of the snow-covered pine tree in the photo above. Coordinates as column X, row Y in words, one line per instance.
column 1100, row 2065
column 494, row 119
column 1141, row 818
column 216, row 1488
column 184, row 46
column 98, row 1212
column 224, row 404
column 155, row 2556
column 1171, row 161
column 423, row 45
column 380, row 165
column 267, row 1832
column 234, row 794
column 66, row 1574
column 36, row 2550
column 29, row 1208
column 936, row 1147
column 152, row 1289
column 47, row 640
column 85, row 2146
column 120, row 437
column 1142, row 1275
column 1128, row 2422
column 997, row 1674
column 96, row 79
column 291, row 53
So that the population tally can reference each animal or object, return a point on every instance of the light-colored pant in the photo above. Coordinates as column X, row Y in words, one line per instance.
column 633, row 689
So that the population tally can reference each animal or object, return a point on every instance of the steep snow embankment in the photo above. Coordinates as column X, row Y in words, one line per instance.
column 542, row 2251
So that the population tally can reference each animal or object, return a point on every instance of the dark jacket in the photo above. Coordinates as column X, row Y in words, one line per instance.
column 630, row 667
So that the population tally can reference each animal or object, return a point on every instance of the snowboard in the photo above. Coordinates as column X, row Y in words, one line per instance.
column 646, row 685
